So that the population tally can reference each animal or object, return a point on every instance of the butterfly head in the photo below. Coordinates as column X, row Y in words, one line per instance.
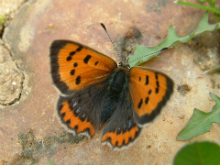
column 124, row 65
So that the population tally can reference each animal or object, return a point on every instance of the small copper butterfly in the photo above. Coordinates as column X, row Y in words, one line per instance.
column 97, row 92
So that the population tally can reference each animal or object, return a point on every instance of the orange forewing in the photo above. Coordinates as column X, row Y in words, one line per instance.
column 78, row 66
column 74, row 121
column 149, row 90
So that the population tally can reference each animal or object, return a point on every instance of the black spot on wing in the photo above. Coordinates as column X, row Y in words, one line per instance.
column 75, row 64
column 87, row 58
column 140, row 104
column 72, row 53
column 69, row 58
column 156, row 76
column 78, row 80
column 146, row 100
column 96, row 63
column 157, row 83
column 147, row 80
column 139, row 78
column 79, row 48
column 72, row 72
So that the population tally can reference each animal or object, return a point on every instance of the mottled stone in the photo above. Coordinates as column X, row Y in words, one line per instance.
column 11, row 79
column 39, row 22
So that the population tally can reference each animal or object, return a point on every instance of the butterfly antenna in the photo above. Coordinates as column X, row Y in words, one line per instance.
column 111, row 40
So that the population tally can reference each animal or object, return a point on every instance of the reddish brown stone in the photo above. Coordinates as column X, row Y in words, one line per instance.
column 29, row 129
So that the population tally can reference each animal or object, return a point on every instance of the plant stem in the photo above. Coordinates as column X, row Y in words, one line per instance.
column 198, row 6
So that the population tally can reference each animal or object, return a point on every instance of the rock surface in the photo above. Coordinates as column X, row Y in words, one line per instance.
column 29, row 130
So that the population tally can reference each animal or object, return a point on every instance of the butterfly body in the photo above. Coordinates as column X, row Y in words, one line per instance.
column 114, row 88
column 95, row 92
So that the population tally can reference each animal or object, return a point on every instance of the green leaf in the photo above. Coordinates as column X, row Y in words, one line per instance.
column 201, row 122
column 198, row 153
column 143, row 54
column 49, row 162
column 212, row 9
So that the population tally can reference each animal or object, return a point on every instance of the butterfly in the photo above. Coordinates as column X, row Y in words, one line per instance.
column 96, row 92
